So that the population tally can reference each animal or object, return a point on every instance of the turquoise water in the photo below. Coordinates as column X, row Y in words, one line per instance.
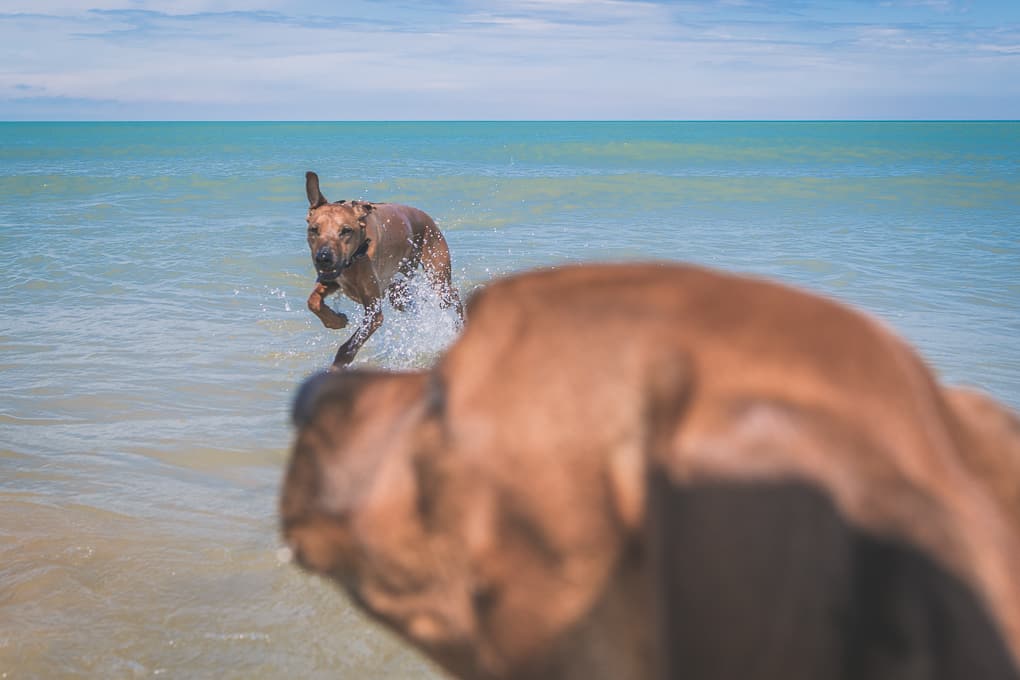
column 153, row 327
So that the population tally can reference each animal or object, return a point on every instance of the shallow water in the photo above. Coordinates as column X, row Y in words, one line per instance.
column 153, row 328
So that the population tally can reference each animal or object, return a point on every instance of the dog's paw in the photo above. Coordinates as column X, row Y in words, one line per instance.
column 323, row 289
column 333, row 319
column 341, row 363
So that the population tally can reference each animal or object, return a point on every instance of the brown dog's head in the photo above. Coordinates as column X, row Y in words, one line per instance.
column 441, row 536
column 336, row 231
column 357, row 506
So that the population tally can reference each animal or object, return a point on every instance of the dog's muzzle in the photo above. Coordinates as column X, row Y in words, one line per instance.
column 329, row 268
column 327, row 265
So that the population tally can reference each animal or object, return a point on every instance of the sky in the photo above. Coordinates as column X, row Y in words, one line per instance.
column 509, row 59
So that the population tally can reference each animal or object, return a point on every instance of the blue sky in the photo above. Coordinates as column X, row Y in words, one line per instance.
column 508, row 59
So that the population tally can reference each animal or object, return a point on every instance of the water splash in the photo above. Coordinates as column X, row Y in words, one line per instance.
column 414, row 337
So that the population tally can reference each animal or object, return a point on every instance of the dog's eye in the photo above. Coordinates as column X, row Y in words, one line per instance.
column 313, row 230
column 346, row 230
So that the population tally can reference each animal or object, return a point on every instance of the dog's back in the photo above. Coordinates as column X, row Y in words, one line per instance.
column 744, row 380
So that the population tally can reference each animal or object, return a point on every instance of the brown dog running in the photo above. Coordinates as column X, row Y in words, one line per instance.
column 634, row 471
column 360, row 248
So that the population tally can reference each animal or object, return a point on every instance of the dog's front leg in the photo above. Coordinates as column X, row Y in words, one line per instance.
column 370, row 323
column 317, row 305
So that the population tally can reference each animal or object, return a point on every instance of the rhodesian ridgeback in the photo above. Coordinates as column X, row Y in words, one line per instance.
column 368, row 250
column 635, row 471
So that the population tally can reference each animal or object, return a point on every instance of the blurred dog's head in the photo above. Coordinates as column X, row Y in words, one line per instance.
column 359, row 505
column 424, row 531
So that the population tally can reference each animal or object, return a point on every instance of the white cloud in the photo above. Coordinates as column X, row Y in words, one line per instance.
column 178, row 7
column 519, row 58
column 999, row 49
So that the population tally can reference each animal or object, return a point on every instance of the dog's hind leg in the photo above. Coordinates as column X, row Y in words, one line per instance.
column 435, row 260
column 399, row 290
column 399, row 294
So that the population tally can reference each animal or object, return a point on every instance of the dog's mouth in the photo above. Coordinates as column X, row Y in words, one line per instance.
column 327, row 275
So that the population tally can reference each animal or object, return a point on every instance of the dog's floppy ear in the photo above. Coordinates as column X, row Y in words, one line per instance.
column 364, row 429
column 315, row 197
column 346, row 416
column 341, row 387
column 363, row 208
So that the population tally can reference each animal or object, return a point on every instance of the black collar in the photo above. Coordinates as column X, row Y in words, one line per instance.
column 362, row 250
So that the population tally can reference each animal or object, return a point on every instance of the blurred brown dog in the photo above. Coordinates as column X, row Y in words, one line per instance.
column 360, row 248
column 631, row 471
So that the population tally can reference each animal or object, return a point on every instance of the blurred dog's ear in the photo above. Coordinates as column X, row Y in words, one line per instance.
column 354, row 426
column 315, row 197
column 337, row 387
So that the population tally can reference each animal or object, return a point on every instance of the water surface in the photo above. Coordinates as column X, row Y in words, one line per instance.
column 153, row 328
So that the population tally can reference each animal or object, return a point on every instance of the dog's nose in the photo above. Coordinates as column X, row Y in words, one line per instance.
column 324, row 256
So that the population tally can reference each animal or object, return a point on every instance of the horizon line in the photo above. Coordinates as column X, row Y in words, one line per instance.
column 518, row 120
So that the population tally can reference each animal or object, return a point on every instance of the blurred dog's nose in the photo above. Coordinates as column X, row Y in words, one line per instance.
column 324, row 256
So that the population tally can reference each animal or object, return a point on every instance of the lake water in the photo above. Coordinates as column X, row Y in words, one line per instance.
column 153, row 329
